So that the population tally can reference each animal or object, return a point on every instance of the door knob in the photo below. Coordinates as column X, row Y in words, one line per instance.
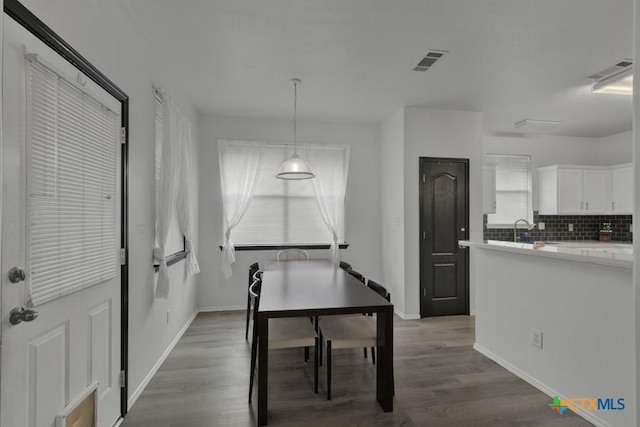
column 16, row 274
column 18, row 315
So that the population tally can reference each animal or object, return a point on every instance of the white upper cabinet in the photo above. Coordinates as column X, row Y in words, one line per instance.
column 573, row 190
column 488, row 189
column 622, row 194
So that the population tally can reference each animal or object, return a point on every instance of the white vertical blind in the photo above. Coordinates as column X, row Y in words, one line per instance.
column 513, row 189
column 73, row 143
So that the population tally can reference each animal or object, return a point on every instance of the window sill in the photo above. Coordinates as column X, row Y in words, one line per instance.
column 280, row 247
column 172, row 259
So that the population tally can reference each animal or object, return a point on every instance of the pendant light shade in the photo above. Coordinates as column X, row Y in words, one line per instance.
column 295, row 167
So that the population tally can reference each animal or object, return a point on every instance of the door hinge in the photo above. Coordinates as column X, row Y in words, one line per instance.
column 123, row 135
column 123, row 378
column 424, row 235
column 424, row 292
column 424, row 178
column 123, row 256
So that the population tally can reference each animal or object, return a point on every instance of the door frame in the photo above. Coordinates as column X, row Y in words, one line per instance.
column 15, row 10
column 422, row 164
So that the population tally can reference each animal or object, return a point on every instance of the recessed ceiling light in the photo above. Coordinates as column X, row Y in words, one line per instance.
column 528, row 124
column 619, row 84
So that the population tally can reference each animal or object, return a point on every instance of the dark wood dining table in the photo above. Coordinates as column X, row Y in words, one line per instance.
column 320, row 288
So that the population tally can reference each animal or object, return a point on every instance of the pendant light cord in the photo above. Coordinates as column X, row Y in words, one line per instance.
column 295, row 108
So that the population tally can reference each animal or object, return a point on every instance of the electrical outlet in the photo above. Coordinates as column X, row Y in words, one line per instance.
column 570, row 227
column 541, row 226
column 630, row 227
column 536, row 338
column 168, row 315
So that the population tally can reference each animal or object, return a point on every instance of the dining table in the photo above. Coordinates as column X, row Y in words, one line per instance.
column 312, row 288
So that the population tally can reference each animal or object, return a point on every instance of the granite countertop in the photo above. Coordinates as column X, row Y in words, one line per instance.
column 614, row 254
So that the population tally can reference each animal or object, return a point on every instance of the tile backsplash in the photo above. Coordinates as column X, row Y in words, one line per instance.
column 585, row 227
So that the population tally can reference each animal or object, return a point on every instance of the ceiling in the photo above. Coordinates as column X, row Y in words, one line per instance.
column 509, row 59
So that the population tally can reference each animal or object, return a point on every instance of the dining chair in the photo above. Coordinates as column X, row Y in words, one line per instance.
column 292, row 254
column 253, row 268
column 345, row 266
column 357, row 275
column 341, row 332
column 288, row 332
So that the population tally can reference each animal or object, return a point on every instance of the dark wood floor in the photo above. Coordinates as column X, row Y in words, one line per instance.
column 440, row 381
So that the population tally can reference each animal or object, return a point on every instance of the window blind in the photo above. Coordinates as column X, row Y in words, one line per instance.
column 513, row 190
column 73, row 143
column 286, row 212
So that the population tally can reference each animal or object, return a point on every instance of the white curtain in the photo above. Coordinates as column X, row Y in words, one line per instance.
column 169, row 183
column 331, row 166
column 239, row 169
column 185, row 195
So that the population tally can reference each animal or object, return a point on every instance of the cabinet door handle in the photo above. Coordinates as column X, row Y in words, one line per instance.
column 613, row 206
column 581, row 205
column 587, row 205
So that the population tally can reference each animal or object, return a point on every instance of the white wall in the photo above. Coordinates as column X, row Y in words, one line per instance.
column 438, row 133
column 362, row 205
column 615, row 149
column 392, row 207
column 106, row 35
column 636, row 224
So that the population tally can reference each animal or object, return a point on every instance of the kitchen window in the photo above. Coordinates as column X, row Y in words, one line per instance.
column 513, row 190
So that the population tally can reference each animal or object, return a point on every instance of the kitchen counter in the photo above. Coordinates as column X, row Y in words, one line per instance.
column 614, row 254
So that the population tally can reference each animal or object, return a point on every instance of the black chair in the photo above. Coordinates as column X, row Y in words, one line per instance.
column 357, row 275
column 253, row 268
column 288, row 332
column 340, row 332
column 345, row 266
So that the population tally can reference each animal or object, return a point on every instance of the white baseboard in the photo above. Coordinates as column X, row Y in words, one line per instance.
column 539, row 385
column 407, row 316
column 224, row 308
column 136, row 394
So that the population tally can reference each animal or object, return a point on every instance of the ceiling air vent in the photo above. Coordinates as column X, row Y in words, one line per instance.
column 429, row 59
column 615, row 69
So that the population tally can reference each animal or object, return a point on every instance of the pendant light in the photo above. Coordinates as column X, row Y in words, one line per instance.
column 295, row 167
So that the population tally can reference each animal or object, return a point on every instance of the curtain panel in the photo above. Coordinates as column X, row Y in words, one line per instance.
column 175, row 188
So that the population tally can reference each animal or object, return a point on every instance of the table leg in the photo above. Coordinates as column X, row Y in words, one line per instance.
column 263, row 368
column 384, row 367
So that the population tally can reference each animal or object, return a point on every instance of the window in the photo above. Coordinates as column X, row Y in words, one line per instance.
column 513, row 190
column 175, row 240
column 282, row 212
column 73, row 146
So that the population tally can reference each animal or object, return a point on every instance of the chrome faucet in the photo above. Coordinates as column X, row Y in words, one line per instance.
column 515, row 227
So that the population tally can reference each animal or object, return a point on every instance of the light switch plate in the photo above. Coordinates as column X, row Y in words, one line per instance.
column 541, row 226
column 570, row 227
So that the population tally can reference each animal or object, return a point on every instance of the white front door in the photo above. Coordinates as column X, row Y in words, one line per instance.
column 75, row 340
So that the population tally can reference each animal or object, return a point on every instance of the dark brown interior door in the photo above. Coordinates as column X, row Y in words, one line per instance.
column 444, row 219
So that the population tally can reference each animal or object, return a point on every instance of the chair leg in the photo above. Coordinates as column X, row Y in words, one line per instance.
column 246, row 332
column 328, row 370
column 254, row 353
column 320, row 348
column 365, row 352
column 373, row 355
column 315, row 367
column 306, row 354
